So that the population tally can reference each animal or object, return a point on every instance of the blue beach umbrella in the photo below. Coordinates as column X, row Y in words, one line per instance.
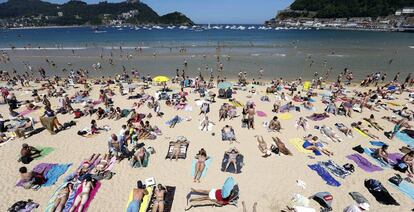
column 224, row 85
column 227, row 187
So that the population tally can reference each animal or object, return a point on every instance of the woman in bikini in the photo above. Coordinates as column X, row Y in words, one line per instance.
column 232, row 153
column 200, row 165
column 62, row 197
column 159, row 198
column 82, row 198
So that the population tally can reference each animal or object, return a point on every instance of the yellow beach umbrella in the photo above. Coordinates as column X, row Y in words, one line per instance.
column 160, row 79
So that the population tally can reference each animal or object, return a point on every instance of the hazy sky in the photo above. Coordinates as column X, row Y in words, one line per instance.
column 215, row 11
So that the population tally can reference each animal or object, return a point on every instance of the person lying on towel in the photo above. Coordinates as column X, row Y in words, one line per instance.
column 312, row 143
column 138, row 194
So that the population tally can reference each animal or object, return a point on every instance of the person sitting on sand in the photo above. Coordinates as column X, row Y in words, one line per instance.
column 88, row 185
column 138, row 193
column 373, row 123
column 233, row 153
column 200, row 165
column 159, row 193
column 274, row 124
column 381, row 153
column 358, row 125
column 62, row 197
column 276, row 106
column 397, row 127
column 222, row 114
column 139, row 157
column 315, row 146
column 408, row 162
column 28, row 153
column 263, row 147
column 308, row 105
column 31, row 179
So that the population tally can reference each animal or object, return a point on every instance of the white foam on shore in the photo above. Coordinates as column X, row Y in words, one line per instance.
column 255, row 55
column 41, row 48
column 336, row 55
column 279, row 55
column 411, row 47
column 125, row 47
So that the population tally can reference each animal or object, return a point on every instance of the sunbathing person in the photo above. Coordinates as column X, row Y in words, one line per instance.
column 372, row 121
column 308, row 105
column 102, row 165
column 205, row 123
column 88, row 185
column 86, row 165
column 315, row 146
column 381, row 153
column 227, row 134
column 302, row 123
column 280, row 147
column 159, row 193
column 31, row 179
column 407, row 163
column 263, row 147
column 28, row 153
column 359, row 126
column 213, row 195
column 345, row 130
column 200, row 165
column 395, row 120
column 138, row 194
column 62, row 197
column 177, row 148
column 327, row 131
column 233, row 153
column 318, row 116
column 274, row 124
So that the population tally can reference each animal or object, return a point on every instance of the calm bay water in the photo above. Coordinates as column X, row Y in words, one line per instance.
column 281, row 53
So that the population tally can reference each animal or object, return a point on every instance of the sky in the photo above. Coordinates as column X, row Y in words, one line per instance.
column 215, row 11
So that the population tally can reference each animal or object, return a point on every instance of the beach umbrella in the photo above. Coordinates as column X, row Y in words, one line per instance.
column 160, row 79
column 224, row 85
column 227, row 187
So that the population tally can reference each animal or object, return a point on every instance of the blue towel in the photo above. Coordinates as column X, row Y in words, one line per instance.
column 377, row 143
column 55, row 172
column 406, row 188
column 207, row 164
column 380, row 162
column 405, row 138
column 325, row 175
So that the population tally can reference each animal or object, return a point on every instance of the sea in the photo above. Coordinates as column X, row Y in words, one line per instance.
column 282, row 52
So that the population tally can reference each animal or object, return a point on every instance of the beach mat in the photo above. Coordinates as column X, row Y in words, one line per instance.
column 261, row 113
column 334, row 168
column 363, row 163
column 145, row 200
column 55, row 172
column 381, row 194
column 406, row 188
column 405, row 138
column 285, row 116
column 297, row 143
column 377, row 143
column 92, row 195
column 181, row 155
column 54, row 196
column 231, row 168
column 324, row 175
column 206, row 166
column 44, row 151
column 360, row 132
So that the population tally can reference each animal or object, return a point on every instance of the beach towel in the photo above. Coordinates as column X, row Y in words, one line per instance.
column 334, row 168
column 406, row 188
column 363, row 163
column 380, row 162
column 297, row 143
column 181, row 155
column 44, row 151
column 261, row 113
column 92, row 194
column 359, row 198
column 206, row 166
column 360, row 132
column 55, row 172
column 168, row 199
column 324, row 175
column 285, row 116
column 236, row 103
column 145, row 200
column 377, row 143
column 380, row 193
column 306, row 85
column 231, row 168
column 52, row 199
column 405, row 138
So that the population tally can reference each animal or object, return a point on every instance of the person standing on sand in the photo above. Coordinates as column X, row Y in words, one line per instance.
column 250, row 117
column 138, row 193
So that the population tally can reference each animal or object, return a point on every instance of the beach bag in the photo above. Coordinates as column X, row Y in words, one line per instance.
column 28, row 205
column 359, row 149
column 374, row 185
column 274, row 149
column 324, row 199
column 78, row 114
column 349, row 167
column 401, row 166
column 396, row 180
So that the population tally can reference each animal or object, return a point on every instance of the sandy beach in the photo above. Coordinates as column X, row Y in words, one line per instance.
column 271, row 181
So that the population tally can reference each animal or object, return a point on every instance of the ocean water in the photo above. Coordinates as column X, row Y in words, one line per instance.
column 281, row 53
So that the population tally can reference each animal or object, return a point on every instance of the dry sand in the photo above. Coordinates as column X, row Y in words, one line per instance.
column 269, row 181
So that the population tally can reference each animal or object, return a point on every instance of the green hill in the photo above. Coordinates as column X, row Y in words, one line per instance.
column 350, row 8
column 79, row 13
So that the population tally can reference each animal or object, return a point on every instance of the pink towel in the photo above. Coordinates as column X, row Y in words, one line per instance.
column 261, row 113
column 91, row 195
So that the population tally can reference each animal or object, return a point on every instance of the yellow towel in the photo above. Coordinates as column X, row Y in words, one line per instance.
column 306, row 85
column 285, row 116
column 236, row 104
column 360, row 132
column 393, row 104
column 297, row 143
column 145, row 200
